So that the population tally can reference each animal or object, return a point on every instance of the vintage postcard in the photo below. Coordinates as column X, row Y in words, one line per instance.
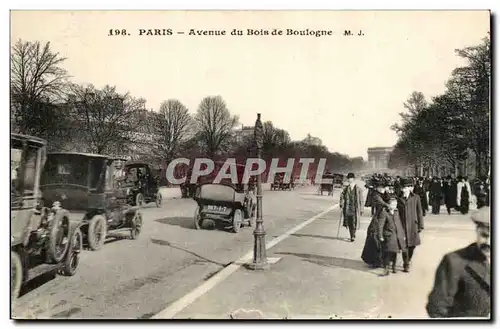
column 250, row 164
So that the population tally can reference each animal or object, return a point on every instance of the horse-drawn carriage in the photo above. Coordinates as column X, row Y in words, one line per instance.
column 43, row 239
column 86, row 185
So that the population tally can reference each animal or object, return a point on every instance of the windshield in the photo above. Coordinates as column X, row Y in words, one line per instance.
column 28, row 178
column 64, row 169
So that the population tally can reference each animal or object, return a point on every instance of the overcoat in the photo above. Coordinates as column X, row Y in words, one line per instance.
column 422, row 193
column 359, row 205
column 391, row 229
column 461, row 286
column 410, row 212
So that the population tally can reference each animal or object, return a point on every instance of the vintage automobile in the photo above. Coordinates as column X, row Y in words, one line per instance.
column 140, row 183
column 225, row 204
column 86, row 185
column 326, row 184
column 42, row 239
column 280, row 184
column 338, row 180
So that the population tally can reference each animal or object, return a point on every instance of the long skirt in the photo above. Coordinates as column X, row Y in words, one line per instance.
column 372, row 251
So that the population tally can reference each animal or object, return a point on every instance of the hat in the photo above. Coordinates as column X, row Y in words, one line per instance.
column 481, row 216
column 407, row 182
column 350, row 175
column 380, row 183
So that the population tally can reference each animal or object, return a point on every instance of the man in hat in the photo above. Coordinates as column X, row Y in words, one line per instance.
column 449, row 196
column 410, row 212
column 462, row 283
column 352, row 205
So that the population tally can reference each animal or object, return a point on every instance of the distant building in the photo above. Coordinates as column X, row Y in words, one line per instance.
column 378, row 157
column 244, row 132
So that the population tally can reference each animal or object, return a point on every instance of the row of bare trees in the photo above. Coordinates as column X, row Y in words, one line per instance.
column 45, row 103
column 453, row 129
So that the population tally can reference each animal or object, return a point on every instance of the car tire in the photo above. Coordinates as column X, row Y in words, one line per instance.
column 237, row 220
column 198, row 221
column 16, row 275
column 97, row 232
column 58, row 238
column 73, row 259
column 136, row 226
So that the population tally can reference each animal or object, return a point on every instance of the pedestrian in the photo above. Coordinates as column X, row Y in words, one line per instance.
column 372, row 251
column 391, row 235
column 410, row 212
column 449, row 195
column 462, row 281
column 397, row 186
column 481, row 194
column 435, row 195
column 351, row 205
column 369, row 194
column 463, row 195
column 420, row 190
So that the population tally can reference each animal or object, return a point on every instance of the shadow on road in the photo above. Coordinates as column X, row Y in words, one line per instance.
column 185, row 222
column 321, row 237
column 166, row 243
column 329, row 261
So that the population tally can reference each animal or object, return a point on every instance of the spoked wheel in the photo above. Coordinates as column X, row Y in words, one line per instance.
column 16, row 274
column 139, row 200
column 158, row 199
column 97, row 232
column 59, row 237
column 198, row 220
column 73, row 259
column 237, row 220
column 136, row 226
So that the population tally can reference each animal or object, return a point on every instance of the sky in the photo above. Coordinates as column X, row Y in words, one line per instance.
column 346, row 90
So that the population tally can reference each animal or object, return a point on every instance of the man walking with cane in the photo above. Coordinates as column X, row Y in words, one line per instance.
column 351, row 206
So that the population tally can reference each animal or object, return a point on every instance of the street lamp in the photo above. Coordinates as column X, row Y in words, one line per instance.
column 259, row 249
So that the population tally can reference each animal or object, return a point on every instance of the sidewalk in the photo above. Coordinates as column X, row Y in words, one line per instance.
column 320, row 276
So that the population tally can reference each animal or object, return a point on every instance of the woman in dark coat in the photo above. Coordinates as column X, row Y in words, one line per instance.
column 372, row 252
column 421, row 190
column 391, row 235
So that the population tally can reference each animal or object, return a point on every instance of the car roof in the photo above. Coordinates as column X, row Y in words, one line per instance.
column 87, row 155
column 137, row 163
column 30, row 139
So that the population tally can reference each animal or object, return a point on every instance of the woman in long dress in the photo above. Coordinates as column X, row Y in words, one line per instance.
column 372, row 251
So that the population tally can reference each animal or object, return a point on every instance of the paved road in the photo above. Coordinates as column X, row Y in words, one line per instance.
column 137, row 279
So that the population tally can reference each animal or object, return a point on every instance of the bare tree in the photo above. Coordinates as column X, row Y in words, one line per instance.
column 37, row 84
column 215, row 125
column 107, row 121
column 171, row 127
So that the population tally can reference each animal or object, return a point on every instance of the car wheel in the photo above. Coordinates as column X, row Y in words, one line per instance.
column 136, row 226
column 16, row 274
column 237, row 220
column 198, row 220
column 97, row 232
column 59, row 236
column 158, row 199
column 73, row 259
column 139, row 200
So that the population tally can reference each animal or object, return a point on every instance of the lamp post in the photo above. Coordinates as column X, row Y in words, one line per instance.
column 259, row 249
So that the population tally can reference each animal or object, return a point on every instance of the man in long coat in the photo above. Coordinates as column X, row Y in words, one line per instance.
column 449, row 195
column 462, row 285
column 352, row 205
column 410, row 212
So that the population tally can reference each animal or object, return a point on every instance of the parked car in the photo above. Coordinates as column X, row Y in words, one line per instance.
column 43, row 238
column 85, row 184
column 142, row 187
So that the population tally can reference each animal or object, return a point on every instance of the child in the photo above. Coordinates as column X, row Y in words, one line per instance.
column 391, row 235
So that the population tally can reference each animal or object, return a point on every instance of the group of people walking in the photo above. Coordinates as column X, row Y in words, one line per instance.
column 462, row 281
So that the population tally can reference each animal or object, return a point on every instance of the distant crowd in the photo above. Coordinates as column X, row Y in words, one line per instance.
column 455, row 193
